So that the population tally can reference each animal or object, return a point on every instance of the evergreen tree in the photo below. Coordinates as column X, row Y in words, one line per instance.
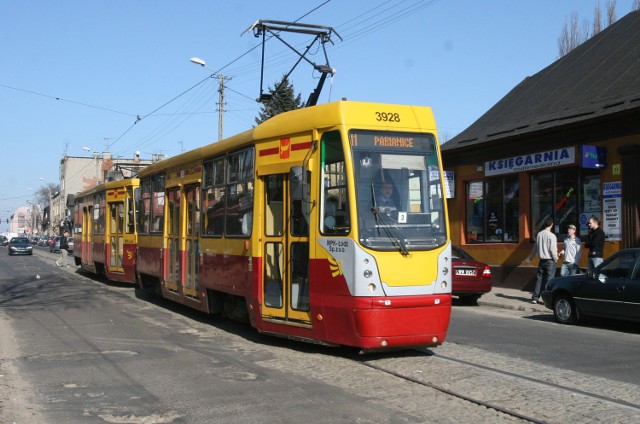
column 282, row 100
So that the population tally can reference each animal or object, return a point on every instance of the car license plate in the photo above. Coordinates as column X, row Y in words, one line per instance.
column 465, row 272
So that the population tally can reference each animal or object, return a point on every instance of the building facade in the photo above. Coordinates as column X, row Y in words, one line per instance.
column 82, row 173
column 563, row 144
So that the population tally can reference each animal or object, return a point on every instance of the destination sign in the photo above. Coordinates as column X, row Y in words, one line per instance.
column 391, row 140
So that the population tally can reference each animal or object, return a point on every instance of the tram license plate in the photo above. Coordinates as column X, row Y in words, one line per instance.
column 465, row 272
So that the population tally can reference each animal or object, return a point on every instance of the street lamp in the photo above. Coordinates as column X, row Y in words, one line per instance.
column 50, row 209
column 202, row 63
column 95, row 156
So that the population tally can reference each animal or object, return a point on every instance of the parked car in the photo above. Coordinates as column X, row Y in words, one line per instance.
column 20, row 246
column 55, row 244
column 612, row 290
column 471, row 278
column 4, row 241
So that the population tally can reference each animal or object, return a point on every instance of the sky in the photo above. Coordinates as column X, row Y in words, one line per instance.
column 115, row 76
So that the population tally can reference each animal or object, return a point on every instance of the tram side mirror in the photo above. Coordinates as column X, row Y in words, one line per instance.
column 297, row 182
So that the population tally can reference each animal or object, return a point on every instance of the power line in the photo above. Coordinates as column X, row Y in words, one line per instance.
column 35, row 93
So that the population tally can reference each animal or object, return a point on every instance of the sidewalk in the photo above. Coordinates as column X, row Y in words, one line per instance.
column 518, row 300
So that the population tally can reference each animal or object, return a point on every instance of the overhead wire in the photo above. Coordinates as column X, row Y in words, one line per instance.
column 351, row 30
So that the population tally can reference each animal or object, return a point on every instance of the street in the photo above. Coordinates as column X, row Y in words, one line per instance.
column 76, row 349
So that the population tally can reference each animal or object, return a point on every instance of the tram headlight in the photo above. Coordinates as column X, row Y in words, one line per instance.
column 367, row 273
column 371, row 287
column 445, row 270
column 443, row 284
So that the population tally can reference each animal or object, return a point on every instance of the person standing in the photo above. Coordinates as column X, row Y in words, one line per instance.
column 64, row 250
column 595, row 243
column 546, row 247
column 572, row 252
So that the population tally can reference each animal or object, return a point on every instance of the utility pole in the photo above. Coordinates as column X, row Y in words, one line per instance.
column 221, row 79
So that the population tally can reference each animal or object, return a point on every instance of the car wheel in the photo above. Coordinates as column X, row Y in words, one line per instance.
column 564, row 310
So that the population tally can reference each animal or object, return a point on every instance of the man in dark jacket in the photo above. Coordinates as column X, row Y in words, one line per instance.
column 595, row 243
column 64, row 250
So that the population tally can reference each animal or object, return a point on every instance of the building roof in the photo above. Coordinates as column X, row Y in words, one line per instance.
column 598, row 78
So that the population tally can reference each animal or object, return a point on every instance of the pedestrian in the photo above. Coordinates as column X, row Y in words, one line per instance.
column 572, row 252
column 64, row 250
column 546, row 247
column 595, row 243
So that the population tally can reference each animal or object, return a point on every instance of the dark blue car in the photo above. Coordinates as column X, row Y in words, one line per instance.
column 611, row 291
column 20, row 246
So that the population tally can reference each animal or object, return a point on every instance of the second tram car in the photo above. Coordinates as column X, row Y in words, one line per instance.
column 104, row 230
column 326, row 224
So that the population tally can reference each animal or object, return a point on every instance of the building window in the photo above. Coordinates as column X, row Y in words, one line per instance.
column 493, row 210
column 563, row 196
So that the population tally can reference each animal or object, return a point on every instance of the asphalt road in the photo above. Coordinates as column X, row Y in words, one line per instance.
column 91, row 349
column 600, row 348
column 78, row 349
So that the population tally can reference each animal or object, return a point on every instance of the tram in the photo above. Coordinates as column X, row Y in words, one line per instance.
column 326, row 224
column 283, row 225
column 104, row 230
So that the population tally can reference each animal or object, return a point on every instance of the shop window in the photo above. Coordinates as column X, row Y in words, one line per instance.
column 564, row 196
column 492, row 213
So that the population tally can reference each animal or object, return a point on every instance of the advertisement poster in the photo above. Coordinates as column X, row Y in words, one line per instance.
column 591, row 202
column 611, row 210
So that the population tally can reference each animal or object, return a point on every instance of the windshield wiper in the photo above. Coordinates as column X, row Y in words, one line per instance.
column 388, row 229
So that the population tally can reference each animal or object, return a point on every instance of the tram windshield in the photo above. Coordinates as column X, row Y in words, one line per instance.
column 399, row 191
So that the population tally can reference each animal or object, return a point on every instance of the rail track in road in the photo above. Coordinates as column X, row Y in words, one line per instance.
column 525, row 391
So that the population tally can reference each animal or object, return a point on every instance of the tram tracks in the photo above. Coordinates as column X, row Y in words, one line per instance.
column 525, row 391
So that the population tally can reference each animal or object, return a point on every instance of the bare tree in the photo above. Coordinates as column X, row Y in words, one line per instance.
column 571, row 36
column 611, row 12
column 635, row 6
column 597, row 20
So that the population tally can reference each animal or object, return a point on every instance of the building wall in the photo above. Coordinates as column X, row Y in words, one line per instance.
column 507, row 259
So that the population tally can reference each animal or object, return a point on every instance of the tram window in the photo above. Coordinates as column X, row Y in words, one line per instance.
column 273, row 218
column 335, row 205
column 300, row 276
column 144, row 207
column 214, row 211
column 239, row 204
column 273, row 277
column 300, row 209
column 130, row 224
column 240, row 166
column 214, row 197
column 157, row 204
column 239, row 200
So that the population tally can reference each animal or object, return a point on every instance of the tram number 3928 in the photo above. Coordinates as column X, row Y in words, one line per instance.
column 387, row 116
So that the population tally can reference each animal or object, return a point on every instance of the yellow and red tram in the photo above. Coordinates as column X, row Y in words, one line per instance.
column 326, row 224
column 285, row 225
column 104, row 230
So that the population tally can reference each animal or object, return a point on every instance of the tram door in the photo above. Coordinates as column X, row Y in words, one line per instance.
column 286, row 251
column 191, row 236
column 116, row 236
column 173, row 280
column 87, row 230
